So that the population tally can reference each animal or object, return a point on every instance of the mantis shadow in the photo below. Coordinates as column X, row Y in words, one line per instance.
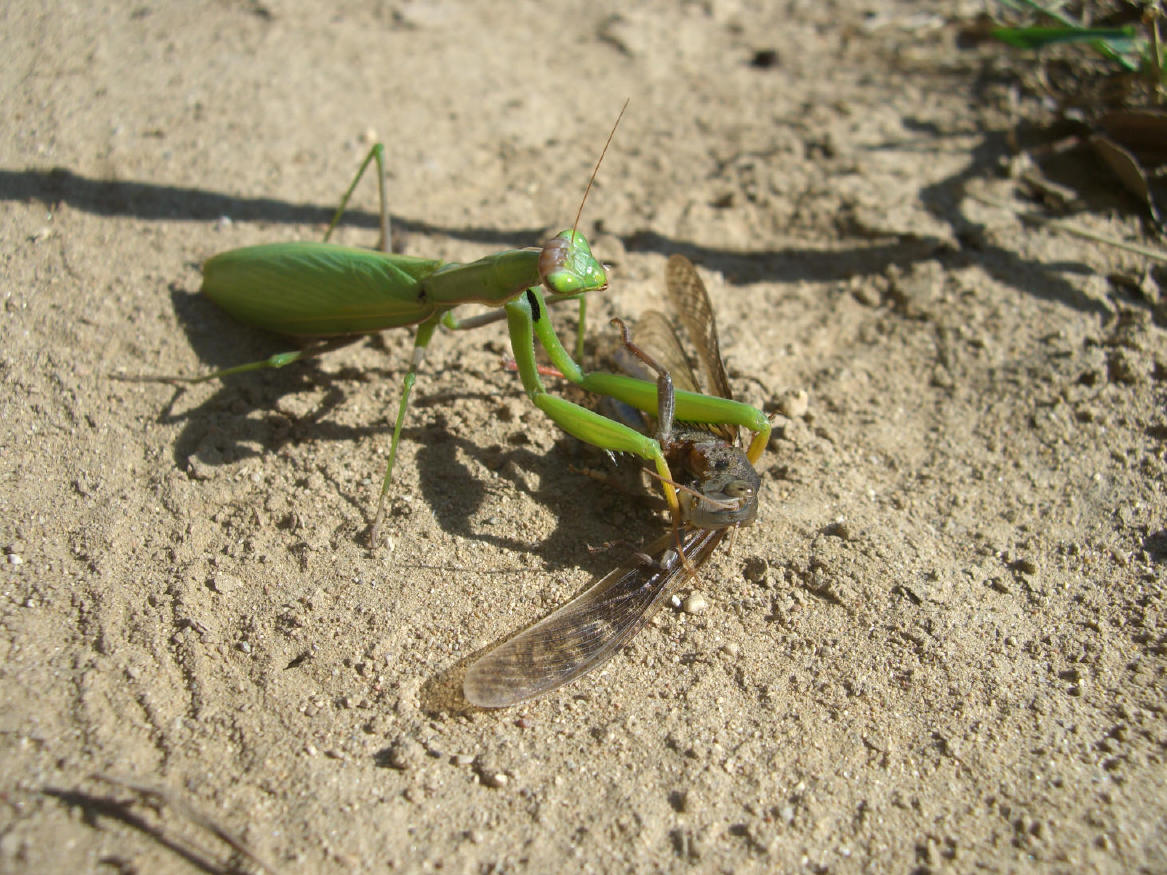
column 169, row 203
column 221, row 430
column 583, row 507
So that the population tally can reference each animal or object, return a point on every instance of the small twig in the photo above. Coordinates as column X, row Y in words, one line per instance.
column 157, row 797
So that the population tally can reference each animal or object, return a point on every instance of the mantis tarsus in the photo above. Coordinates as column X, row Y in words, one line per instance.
column 320, row 290
column 584, row 633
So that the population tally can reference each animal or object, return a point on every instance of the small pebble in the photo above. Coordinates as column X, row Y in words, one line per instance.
column 694, row 603
column 794, row 403
column 868, row 295
column 754, row 569
column 15, row 559
column 839, row 529
column 682, row 801
column 403, row 754
column 222, row 582
column 764, row 59
column 496, row 780
column 1026, row 566
column 1127, row 366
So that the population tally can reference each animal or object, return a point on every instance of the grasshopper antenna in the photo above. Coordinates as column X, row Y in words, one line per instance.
column 596, row 169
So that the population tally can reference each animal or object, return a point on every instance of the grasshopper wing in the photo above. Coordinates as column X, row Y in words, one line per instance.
column 588, row 630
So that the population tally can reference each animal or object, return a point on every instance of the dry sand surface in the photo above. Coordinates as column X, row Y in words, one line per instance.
column 941, row 647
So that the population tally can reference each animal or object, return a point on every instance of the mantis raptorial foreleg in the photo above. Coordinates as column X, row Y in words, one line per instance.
column 527, row 319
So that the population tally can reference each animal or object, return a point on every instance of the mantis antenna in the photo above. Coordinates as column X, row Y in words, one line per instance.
column 596, row 169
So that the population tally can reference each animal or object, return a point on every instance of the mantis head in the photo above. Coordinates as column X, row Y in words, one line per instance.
column 568, row 267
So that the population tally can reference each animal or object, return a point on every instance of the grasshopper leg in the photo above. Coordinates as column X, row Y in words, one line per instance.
column 666, row 396
column 666, row 405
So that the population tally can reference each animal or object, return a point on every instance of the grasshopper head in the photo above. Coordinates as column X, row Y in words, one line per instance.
column 724, row 489
column 567, row 266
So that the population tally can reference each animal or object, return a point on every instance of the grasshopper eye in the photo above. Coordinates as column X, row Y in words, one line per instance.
column 739, row 489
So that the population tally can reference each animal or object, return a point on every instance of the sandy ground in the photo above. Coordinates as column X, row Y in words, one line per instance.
column 940, row 648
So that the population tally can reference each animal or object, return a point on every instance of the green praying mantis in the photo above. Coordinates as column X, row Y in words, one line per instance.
column 333, row 295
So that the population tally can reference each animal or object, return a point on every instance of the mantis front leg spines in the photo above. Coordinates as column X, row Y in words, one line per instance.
column 527, row 319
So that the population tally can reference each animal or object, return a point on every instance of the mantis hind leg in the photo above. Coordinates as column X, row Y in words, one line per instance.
column 279, row 360
column 377, row 153
column 425, row 331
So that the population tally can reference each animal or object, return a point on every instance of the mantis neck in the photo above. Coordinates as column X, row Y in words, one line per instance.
column 492, row 280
